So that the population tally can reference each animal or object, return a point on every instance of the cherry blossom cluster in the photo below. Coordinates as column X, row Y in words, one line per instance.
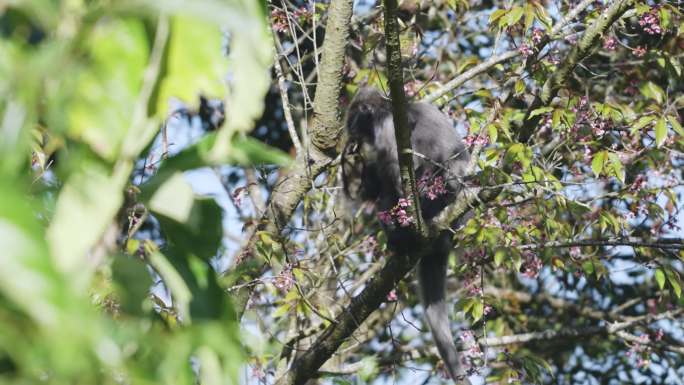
column 471, row 282
column 641, row 350
column 650, row 21
column 432, row 188
column 525, row 50
column 473, row 350
column 639, row 51
column 610, row 43
column 397, row 214
column 585, row 116
column 479, row 140
column 280, row 21
column 537, row 35
column 638, row 184
column 285, row 280
column 532, row 265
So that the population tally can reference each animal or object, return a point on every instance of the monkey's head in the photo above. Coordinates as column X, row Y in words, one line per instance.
column 368, row 107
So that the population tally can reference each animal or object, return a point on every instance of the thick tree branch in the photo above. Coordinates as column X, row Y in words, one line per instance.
column 402, row 131
column 324, row 134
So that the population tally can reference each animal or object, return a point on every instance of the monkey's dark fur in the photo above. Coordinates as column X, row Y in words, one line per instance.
column 370, row 171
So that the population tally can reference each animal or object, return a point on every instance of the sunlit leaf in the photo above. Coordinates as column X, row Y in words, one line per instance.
column 660, row 278
column 653, row 91
column 597, row 163
column 174, row 199
column 660, row 132
column 106, row 91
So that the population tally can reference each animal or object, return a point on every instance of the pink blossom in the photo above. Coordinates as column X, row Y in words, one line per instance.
column 385, row 217
column 659, row 334
column 537, row 35
column 610, row 43
column 392, row 296
column 532, row 266
column 639, row 51
column 650, row 21
column 403, row 218
column 525, row 50
column 285, row 280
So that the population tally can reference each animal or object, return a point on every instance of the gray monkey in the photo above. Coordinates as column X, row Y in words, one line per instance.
column 370, row 171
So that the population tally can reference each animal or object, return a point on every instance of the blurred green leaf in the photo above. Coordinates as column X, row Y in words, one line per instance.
column 85, row 208
column 174, row 282
column 106, row 91
column 132, row 283
column 174, row 199
column 653, row 91
column 194, row 63
column 660, row 278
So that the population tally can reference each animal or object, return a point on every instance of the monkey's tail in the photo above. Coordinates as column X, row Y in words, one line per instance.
column 432, row 279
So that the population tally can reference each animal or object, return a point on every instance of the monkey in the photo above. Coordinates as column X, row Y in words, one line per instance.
column 370, row 172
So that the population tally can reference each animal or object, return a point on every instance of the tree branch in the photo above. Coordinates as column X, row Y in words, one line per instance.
column 557, row 80
column 494, row 60
column 402, row 131
column 324, row 134
column 608, row 328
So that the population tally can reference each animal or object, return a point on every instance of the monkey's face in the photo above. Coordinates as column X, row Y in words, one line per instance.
column 360, row 122
column 367, row 108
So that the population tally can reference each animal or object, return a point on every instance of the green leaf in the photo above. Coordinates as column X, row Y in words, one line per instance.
column 642, row 122
column 496, row 15
column 192, row 67
column 660, row 278
column 653, row 91
column 105, row 92
column 499, row 256
column 492, row 132
column 519, row 87
column 180, row 292
column 200, row 234
column 194, row 64
column 281, row 310
column 598, row 162
column 617, row 167
column 369, row 369
column 86, row 206
column 477, row 310
column 132, row 284
column 673, row 280
column 514, row 15
column 675, row 125
column 540, row 111
column 174, row 199
column 676, row 287
column 29, row 280
column 660, row 132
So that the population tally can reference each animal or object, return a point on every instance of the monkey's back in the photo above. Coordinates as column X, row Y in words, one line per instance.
column 440, row 152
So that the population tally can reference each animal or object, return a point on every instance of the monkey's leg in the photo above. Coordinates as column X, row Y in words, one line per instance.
column 432, row 279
